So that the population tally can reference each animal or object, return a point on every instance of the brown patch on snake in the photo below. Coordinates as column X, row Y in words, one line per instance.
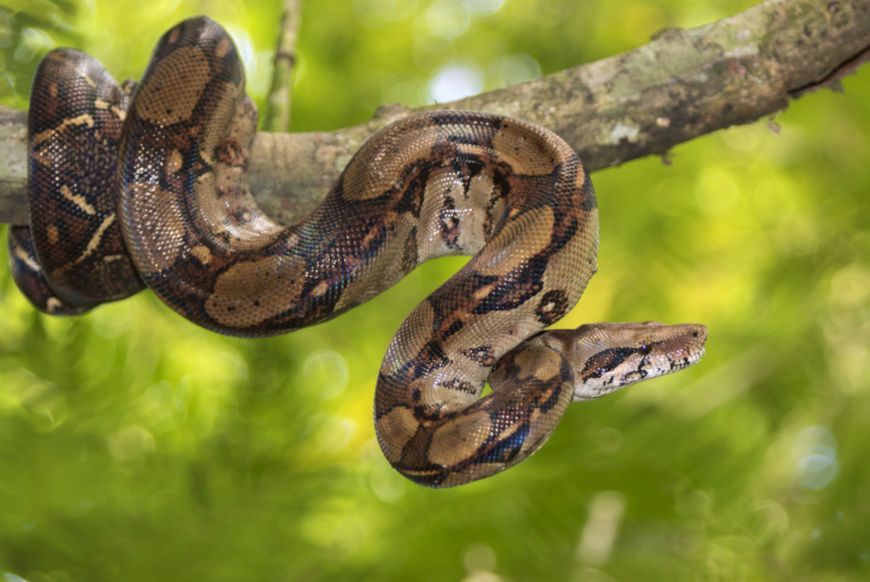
column 395, row 151
column 540, row 364
column 244, row 295
column 528, row 153
column 223, row 110
column 517, row 242
column 581, row 181
column 399, row 426
column 180, row 80
column 471, row 473
column 174, row 34
column 223, row 48
column 459, row 438
column 52, row 233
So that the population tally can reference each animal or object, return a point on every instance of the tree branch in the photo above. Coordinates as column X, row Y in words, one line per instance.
column 683, row 84
column 278, row 118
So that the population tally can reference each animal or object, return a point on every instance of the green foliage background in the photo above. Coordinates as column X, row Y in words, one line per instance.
column 134, row 446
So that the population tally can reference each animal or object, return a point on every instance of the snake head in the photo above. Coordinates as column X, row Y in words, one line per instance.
column 608, row 356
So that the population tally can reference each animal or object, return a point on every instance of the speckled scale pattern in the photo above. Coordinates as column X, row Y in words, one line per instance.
column 512, row 195
column 75, row 122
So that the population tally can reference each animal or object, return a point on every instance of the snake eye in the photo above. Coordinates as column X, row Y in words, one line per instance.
column 645, row 349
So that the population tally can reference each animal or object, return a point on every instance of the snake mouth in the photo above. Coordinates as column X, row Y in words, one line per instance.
column 683, row 363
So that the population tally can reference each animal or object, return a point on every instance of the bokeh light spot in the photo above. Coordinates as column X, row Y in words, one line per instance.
column 514, row 69
column 131, row 443
column 447, row 19
column 455, row 81
column 815, row 457
column 483, row 6
column 326, row 372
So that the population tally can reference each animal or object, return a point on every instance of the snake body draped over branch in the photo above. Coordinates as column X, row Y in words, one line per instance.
column 147, row 187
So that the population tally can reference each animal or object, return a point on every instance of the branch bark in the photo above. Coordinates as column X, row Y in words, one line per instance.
column 683, row 84
column 278, row 118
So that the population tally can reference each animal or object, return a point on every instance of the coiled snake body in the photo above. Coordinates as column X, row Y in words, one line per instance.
column 151, row 189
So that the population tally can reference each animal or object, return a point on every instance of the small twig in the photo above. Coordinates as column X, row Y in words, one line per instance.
column 278, row 118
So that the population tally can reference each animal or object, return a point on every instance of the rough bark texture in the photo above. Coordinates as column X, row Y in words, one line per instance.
column 683, row 84
column 13, row 166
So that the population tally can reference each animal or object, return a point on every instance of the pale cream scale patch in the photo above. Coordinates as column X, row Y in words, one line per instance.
column 159, row 225
column 202, row 254
column 442, row 183
column 412, row 337
column 53, row 304
column 452, row 387
column 22, row 256
column 90, row 248
column 472, row 207
column 233, row 213
column 78, row 200
column 500, row 330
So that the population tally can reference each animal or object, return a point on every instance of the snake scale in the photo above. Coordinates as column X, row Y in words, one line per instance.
column 145, row 186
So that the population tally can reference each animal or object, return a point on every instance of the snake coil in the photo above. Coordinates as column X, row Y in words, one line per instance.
column 150, row 189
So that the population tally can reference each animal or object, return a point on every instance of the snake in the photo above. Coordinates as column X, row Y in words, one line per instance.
column 136, row 186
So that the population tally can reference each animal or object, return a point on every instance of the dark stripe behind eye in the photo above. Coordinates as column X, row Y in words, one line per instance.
column 605, row 361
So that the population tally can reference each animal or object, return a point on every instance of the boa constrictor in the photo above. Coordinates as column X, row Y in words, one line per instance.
column 148, row 186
